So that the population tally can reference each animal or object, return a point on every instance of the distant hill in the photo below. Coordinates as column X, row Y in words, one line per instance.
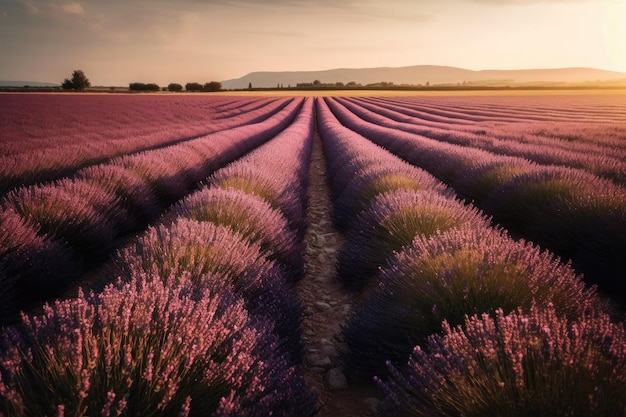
column 422, row 74
column 28, row 83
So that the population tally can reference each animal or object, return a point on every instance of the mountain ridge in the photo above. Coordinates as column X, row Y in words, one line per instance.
column 421, row 74
column 18, row 83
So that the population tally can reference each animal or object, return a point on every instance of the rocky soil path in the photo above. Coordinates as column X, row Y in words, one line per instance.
column 328, row 305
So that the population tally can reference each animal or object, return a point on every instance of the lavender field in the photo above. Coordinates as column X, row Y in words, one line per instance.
column 152, row 248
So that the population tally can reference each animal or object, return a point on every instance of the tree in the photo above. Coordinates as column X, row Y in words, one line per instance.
column 174, row 87
column 193, row 86
column 316, row 83
column 249, row 85
column 78, row 81
column 213, row 86
column 143, row 87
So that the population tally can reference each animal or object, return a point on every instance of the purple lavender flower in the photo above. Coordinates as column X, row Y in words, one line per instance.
column 191, row 252
column 392, row 222
column 520, row 364
column 145, row 348
column 450, row 275
column 374, row 180
column 252, row 217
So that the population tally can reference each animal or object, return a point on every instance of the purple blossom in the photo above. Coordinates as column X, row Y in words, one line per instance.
column 448, row 276
column 250, row 216
column 392, row 221
column 594, row 214
column 201, row 344
column 515, row 365
column 44, row 137
column 191, row 252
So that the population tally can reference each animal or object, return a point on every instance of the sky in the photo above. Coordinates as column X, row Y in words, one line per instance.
column 116, row 42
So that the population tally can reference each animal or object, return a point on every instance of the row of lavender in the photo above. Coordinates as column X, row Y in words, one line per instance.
column 73, row 132
column 201, row 319
column 512, row 107
column 503, row 139
column 577, row 215
column 51, row 233
column 41, row 121
column 504, row 328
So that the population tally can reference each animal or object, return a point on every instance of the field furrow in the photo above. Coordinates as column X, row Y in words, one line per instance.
column 579, row 216
column 72, row 224
column 214, row 255
column 55, row 153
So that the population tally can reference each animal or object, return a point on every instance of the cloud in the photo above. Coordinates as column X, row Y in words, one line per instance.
column 532, row 2
column 31, row 6
column 73, row 8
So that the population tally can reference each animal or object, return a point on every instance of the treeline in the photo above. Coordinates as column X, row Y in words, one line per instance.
column 210, row 86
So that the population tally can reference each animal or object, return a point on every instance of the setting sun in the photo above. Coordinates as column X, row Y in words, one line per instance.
column 615, row 34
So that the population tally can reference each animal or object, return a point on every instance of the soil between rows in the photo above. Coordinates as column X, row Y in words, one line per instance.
column 328, row 305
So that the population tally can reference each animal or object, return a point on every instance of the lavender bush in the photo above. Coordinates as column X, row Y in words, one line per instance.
column 134, row 193
column 76, row 212
column 188, row 250
column 252, row 217
column 446, row 277
column 149, row 349
column 277, row 171
column 484, row 178
column 591, row 225
column 593, row 208
column 28, row 265
column 520, row 364
column 251, row 180
column 375, row 180
column 391, row 223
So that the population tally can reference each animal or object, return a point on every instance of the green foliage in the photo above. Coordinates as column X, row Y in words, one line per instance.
column 174, row 87
column 255, row 186
column 79, row 81
column 193, row 87
column 143, row 87
column 210, row 86
column 213, row 86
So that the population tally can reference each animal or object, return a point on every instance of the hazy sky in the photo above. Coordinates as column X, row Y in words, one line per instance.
column 120, row 41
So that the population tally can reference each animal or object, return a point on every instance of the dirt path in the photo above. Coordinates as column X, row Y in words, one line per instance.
column 327, row 305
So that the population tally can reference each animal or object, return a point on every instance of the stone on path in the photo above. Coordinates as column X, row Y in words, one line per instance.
column 322, row 305
column 372, row 404
column 336, row 379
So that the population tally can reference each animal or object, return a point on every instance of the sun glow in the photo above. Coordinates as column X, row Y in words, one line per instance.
column 615, row 35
